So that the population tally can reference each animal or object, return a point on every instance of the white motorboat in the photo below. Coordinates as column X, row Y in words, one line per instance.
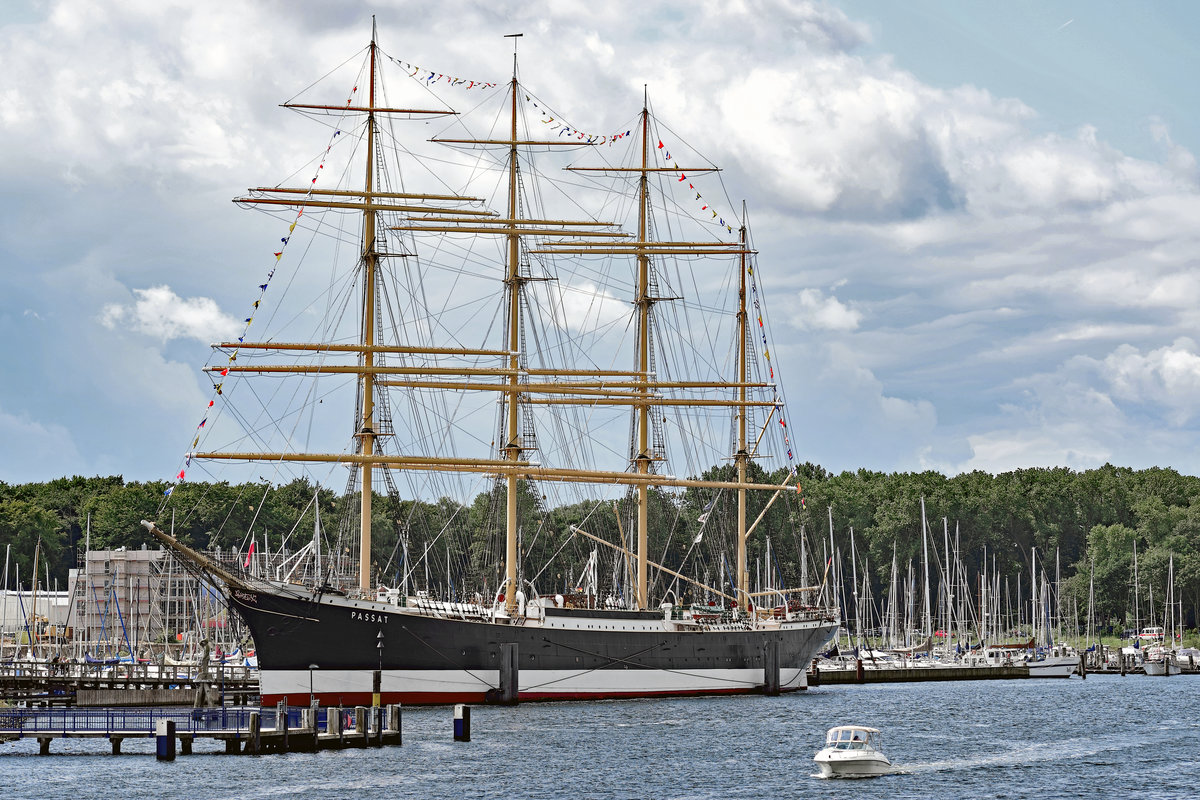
column 852, row 751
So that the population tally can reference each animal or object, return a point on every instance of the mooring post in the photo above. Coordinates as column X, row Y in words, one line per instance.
column 336, row 720
column 254, row 737
column 771, row 680
column 305, row 727
column 1083, row 666
column 360, row 724
column 116, row 745
column 462, row 723
column 43, row 746
column 395, row 722
column 859, row 674
column 281, row 722
column 509, row 674
column 1121, row 661
column 185, row 745
column 814, row 675
column 164, row 739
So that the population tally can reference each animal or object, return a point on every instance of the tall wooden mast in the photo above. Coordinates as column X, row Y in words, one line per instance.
column 643, row 248
column 512, row 445
column 371, row 203
column 643, row 302
column 370, row 257
column 742, row 456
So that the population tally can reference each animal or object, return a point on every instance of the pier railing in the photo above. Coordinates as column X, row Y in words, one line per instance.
column 133, row 673
column 23, row 722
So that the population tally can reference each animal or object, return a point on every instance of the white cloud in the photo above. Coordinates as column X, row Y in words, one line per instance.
column 1089, row 411
column 1168, row 376
column 586, row 306
column 161, row 313
column 1004, row 451
column 812, row 310
column 846, row 416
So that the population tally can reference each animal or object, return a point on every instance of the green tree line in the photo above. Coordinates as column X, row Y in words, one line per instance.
column 1090, row 520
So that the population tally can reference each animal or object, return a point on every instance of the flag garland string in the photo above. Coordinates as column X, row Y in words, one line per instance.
column 705, row 205
column 766, row 353
column 564, row 129
column 218, row 386
column 429, row 77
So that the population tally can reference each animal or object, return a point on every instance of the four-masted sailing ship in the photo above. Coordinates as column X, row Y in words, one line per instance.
column 506, row 642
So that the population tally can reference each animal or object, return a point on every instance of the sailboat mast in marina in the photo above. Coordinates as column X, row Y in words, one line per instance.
column 356, row 641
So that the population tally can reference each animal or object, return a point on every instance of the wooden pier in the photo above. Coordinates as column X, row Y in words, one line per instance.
column 831, row 677
column 249, row 730
column 72, row 683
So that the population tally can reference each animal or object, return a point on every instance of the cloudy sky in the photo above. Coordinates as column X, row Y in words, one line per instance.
column 977, row 222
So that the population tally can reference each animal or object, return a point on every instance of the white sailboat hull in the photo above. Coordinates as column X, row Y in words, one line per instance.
column 1054, row 667
column 1164, row 667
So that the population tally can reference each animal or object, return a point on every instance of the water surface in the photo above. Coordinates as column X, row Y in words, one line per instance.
column 1106, row 736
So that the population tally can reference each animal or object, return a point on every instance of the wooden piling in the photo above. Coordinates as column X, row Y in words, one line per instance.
column 333, row 724
column 281, row 722
column 254, row 737
column 360, row 725
column 396, row 722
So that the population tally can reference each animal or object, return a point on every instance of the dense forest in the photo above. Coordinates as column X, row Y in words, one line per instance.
column 1088, row 521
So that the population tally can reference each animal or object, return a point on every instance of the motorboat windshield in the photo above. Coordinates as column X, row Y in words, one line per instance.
column 853, row 737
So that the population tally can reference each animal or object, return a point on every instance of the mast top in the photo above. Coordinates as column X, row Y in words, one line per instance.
column 514, row 37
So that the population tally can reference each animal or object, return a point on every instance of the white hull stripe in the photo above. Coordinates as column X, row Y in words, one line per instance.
column 329, row 682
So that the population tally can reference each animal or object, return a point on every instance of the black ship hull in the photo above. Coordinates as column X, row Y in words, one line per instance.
column 330, row 648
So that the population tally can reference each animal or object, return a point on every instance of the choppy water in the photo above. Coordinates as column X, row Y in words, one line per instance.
column 1106, row 736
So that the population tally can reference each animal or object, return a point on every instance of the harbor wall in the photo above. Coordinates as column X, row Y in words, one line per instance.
column 912, row 674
